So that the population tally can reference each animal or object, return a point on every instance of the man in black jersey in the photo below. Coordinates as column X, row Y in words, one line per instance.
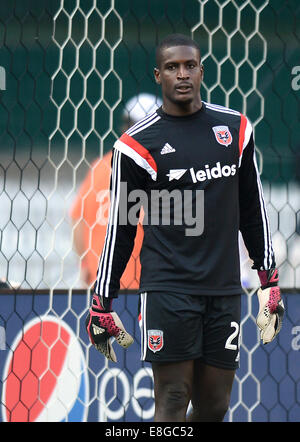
column 189, row 162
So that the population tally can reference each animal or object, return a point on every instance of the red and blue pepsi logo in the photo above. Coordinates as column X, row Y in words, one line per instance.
column 45, row 377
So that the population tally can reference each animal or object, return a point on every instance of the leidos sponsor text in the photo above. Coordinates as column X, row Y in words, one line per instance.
column 215, row 172
column 207, row 173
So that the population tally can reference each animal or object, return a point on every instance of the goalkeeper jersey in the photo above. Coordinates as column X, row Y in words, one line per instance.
column 198, row 168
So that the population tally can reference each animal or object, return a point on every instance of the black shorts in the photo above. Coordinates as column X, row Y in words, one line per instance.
column 177, row 327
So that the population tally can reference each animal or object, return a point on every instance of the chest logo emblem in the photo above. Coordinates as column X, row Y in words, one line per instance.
column 223, row 135
column 167, row 149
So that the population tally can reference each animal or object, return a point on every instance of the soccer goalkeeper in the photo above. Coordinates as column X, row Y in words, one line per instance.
column 190, row 290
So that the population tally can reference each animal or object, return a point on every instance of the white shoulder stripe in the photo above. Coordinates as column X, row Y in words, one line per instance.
column 224, row 111
column 248, row 132
column 219, row 108
column 136, row 157
column 149, row 123
column 141, row 122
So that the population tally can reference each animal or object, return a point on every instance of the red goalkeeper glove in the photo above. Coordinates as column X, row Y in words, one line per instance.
column 102, row 325
column 271, row 307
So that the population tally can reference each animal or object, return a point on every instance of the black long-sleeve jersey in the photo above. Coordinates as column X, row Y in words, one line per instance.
column 199, row 167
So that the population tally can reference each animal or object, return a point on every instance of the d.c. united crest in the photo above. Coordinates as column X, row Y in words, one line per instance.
column 155, row 340
column 223, row 135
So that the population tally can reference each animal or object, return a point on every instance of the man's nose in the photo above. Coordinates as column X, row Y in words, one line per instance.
column 182, row 72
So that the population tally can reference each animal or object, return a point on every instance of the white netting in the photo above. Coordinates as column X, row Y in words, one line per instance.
column 92, row 56
column 86, row 96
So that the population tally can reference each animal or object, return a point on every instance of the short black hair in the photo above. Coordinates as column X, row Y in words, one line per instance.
column 175, row 40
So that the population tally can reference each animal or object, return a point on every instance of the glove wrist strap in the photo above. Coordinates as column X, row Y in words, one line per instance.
column 268, row 278
column 102, row 304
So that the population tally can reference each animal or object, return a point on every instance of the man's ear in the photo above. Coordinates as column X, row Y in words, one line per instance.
column 202, row 71
column 157, row 75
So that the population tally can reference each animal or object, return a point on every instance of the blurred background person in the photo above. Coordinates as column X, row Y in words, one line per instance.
column 90, row 209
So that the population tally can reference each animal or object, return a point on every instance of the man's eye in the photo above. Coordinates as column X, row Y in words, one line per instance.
column 171, row 68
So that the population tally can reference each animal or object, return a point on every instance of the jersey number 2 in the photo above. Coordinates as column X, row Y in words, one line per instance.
column 233, row 335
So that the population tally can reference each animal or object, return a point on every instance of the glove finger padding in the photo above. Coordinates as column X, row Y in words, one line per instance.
column 102, row 327
column 123, row 338
column 271, row 311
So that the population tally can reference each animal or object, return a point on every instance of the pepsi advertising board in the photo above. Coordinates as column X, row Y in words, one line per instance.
column 51, row 373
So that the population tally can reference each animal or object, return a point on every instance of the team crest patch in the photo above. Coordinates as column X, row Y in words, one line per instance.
column 155, row 340
column 223, row 135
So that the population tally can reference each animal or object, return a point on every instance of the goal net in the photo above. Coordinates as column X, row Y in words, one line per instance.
column 73, row 72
